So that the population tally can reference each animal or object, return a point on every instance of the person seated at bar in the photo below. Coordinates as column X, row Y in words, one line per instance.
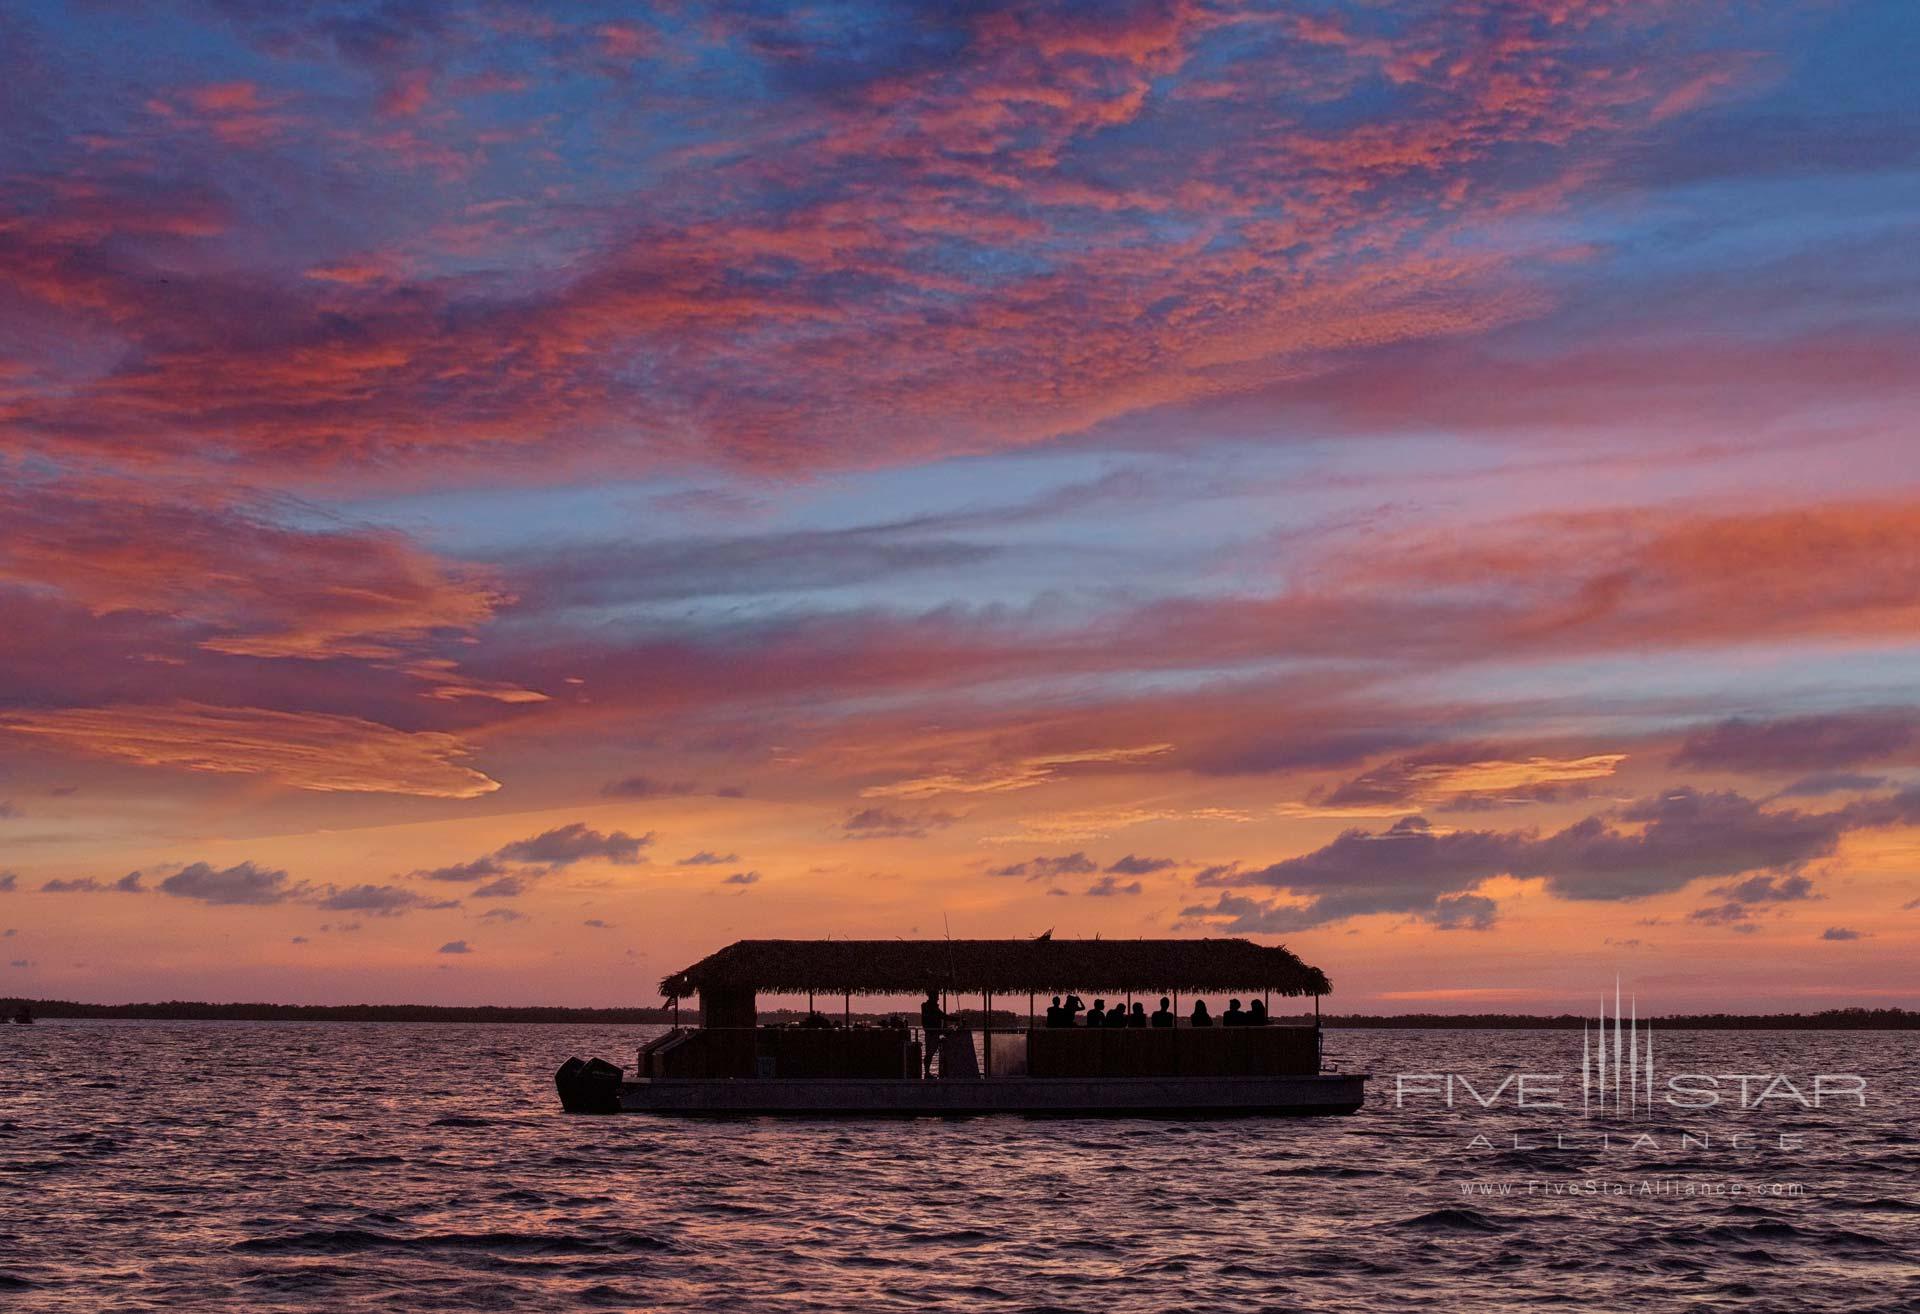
column 1257, row 1013
column 1071, row 1010
column 1117, row 1015
column 1097, row 1015
column 1201, row 1018
column 1235, row 1016
column 933, row 1020
column 1163, row 1015
column 1055, row 1012
column 1137, row 1018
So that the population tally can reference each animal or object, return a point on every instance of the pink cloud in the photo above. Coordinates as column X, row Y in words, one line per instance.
column 303, row 750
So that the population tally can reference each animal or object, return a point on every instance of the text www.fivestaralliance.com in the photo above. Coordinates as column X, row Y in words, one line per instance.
column 1635, row 1188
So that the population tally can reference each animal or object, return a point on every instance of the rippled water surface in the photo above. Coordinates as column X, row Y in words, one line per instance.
column 363, row 1167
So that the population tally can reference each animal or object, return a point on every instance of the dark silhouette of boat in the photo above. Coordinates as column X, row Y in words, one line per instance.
column 731, row 1064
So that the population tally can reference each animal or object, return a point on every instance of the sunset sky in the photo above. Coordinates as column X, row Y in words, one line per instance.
column 498, row 500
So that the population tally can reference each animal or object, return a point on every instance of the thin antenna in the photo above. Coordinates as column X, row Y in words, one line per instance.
column 1586, row 1088
column 1633, row 1046
column 1649, row 1064
column 1602, row 1054
column 1616, row 1042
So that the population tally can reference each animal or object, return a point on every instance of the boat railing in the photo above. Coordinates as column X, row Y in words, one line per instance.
column 964, row 1051
column 1042, row 1051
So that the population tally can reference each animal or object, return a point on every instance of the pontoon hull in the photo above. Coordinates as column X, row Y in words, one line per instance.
column 1166, row 1097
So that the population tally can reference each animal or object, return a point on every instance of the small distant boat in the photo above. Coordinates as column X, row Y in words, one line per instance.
column 732, row 1065
column 24, row 1017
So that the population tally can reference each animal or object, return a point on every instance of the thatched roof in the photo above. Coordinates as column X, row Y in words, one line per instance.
column 900, row 967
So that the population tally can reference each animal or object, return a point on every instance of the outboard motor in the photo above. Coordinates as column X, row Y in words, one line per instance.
column 589, row 1086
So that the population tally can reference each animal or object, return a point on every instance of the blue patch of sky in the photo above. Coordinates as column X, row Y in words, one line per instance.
column 1838, row 59
column 1084, row 530
column 1756, row 259
column 1654, row 691
column 845, row 45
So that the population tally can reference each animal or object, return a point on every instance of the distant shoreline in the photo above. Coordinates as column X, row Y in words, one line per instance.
column 1835, row 1019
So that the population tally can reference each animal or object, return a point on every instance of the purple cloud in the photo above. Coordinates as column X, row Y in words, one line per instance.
column 512, row 868
column 128, row 884
column 1132, row 866
column 1800, row 743
column 1683, row 835
column 1768, row 889
column 1042, row 868
column 477, row 870
column 507, row 887
column 1463, row 912
column 241, row 884
column 1823, row 783
column 646, row 787
column 882, row 823
column 575, row 842
column 380, row 900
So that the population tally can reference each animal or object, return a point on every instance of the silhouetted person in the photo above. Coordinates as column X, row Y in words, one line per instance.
column 1201, row 1018
column 1235, row 1016
column 1117, row 1015
column 1138, row 1018
column 1097, row 1015
column 1257, row 1013
column 933, row 1020
column 1071, row 1010
column 1055, row 1013
column 817, row 1021
column 1163, row 1015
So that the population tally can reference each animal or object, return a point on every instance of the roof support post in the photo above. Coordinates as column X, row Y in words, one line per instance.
column 986, row 1028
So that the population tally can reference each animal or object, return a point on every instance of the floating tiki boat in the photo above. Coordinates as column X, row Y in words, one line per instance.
column 730, row 1064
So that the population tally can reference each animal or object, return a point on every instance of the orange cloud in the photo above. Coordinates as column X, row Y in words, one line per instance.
column 1022, row 774
column 1598, row 579
column 304, row 750
column 265, row 591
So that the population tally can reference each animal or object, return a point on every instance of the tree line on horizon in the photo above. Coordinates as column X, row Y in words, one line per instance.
column 174, row 1010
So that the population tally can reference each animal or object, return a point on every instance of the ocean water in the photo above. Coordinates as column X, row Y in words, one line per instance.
column 239, row 1166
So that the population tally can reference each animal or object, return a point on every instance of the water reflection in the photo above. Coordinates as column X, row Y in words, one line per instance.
column 350, row 1167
